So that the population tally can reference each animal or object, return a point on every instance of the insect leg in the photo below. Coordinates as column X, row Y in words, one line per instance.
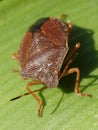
column 65, row 69
column 35, row 96
column 15, row 56
column 69, row 59
column 63, row 17
column 77, row 71
column 16, row 71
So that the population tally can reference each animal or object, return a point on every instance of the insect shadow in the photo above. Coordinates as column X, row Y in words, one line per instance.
column 86, row 60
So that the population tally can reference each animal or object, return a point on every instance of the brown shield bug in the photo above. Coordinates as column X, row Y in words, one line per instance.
column 44, row 56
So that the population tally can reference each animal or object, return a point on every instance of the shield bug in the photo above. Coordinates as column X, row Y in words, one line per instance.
column 44, row 56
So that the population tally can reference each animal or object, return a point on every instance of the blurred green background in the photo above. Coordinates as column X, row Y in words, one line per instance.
column 64, row 110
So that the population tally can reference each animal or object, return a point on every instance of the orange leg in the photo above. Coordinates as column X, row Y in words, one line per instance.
column 67, row 71
column 15, row 56
column 69, row 59
column 16, row 71
column 35, row 96
column 77, row 71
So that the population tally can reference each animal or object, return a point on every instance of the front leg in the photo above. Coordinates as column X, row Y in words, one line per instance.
column 41, row 104
column 77, row 71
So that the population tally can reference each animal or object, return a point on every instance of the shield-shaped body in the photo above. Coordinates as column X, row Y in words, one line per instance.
column 43, row 51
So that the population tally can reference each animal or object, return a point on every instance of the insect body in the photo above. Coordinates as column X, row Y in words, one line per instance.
column 42, row 54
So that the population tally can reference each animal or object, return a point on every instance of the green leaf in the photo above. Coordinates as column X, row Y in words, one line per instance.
column 63, row 109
